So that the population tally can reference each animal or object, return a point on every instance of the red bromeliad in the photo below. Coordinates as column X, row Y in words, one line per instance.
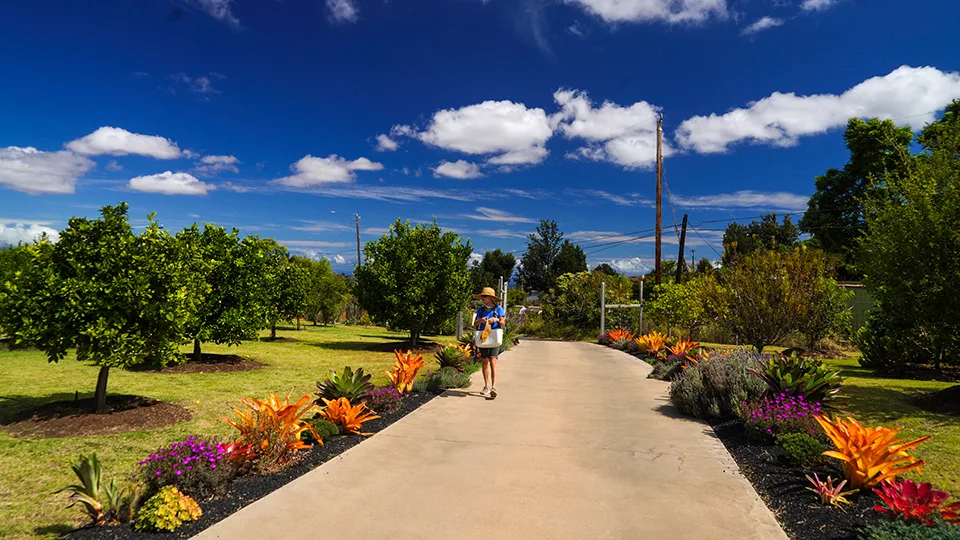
column 915, row 502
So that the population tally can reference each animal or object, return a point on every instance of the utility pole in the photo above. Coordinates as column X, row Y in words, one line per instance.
column 693, row 258
column 357, row 217
column 683, row 238
column 659, row 263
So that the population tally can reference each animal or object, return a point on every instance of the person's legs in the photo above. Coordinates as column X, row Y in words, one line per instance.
column 493, row 377
column 486, row 373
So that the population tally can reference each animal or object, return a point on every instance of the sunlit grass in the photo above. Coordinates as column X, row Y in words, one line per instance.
column 31, row 470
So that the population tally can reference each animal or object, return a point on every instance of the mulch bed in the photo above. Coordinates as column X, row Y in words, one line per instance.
column 248, row 489
column 209, row 363
column 946, row 401
column 782, row 487
column 74, row 419
column 920, row 372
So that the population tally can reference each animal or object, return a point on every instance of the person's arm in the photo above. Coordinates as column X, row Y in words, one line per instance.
column 479, row 321
column 501, row 317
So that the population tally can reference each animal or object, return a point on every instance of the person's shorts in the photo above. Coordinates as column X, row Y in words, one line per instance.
column 489, row 352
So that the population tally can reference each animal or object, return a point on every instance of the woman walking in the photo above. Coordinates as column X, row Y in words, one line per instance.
column 490, row 316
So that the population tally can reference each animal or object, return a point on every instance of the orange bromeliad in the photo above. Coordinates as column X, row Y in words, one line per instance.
column 869, row 455
column 683, row 347
column 348, row 417
column 405, row 370
column 652, row 343
column 617, row 335
column 270, row 431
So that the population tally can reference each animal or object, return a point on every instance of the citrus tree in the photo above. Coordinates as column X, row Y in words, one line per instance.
column 118, row 298
column 416, row 277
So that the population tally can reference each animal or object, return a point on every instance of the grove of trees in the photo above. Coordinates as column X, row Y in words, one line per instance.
column 549, row 256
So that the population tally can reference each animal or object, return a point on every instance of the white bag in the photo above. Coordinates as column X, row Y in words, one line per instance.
column 495, row 339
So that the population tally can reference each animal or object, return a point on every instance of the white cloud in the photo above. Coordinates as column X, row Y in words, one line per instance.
column 112, row 165
column 511, row 129
column 492, row 214
column 620, row 199
column 338, row 259
column 669, row 11
column 313, row 243
column 913, row 95
column 460, row 169
column 746, row 199
column 626, row 136
column 633, row 266
column 213, row 165
column 395, row 194
column 817, row 5
column 202, row 84
column 343, row 11
column 31, row 171
column 218, row 9
column 120, row 142
column 170, row 183
column 320, row 226
column 13, row 234
column 386, row 144
column 762, row 24
column 475, row 258
column 315, row 171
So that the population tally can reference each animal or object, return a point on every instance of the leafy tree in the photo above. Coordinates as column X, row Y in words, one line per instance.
column 571, row 259
column 835, row 218
column 516, row 297
column 704, row 266
column 281, row 282
column 575, row 301
column 494, row 265
column 415, row 278
column 13, row 259
column 768, row 295
column 120, row 299
column 336, row 294
column 536, row 264
column 826, row 313
column 910, row 253
column 681, row 304
column 740, row 240
column 605, row 268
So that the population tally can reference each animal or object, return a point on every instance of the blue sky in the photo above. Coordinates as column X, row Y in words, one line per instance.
column 286, row 117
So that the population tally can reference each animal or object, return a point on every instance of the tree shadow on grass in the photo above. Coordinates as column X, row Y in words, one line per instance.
column 58, row 529
column 12, row 407
column 888, row 405
column 342, row 345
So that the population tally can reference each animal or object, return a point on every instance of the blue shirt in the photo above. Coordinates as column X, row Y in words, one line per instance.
column 485, row 312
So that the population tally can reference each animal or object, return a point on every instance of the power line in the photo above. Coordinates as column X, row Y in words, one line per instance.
column 709, row 245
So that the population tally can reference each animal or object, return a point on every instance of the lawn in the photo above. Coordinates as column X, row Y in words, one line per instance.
column 880, row 401
column 31, row 470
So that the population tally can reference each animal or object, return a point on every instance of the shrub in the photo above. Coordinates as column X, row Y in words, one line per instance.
column 869, row 455
column 384, row 399
column 716, row 388
column 323, row 430
column 270, row 433
column 349, row 384
column 167, row 511
column 405, row 370
column 915, row 503
column 666, row 370
column 349, row 418
column 769, row 418
column 802, row 448
column 797, row 376
column 473, row 367
column 446, row 378
column 197, row 467
column 575, row 300
column 901, row 530
column 104, row 503
column 887, row 341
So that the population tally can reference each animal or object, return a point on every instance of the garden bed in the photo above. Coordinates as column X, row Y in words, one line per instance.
column 782, row 487
column 248, row 489
column 74, row 418
column 209, row 363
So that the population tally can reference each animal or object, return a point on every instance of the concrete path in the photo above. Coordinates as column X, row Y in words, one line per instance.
column 579, row 445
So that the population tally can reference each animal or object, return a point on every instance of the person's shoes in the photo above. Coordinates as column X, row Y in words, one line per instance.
column 493, row 393
column 486, row 391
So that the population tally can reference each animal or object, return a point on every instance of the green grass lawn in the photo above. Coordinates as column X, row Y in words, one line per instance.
column 31, row 470
column 880, row 401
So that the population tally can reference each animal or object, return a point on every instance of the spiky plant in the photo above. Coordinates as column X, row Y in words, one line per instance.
column 353, row 385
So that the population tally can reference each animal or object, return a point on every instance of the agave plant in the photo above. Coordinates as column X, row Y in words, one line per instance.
column 451, row 356
column 914, row 502
column 405, row 370
column 270, row 432
column 348, row 417
column 652, row 343
column 869, row 455
column 798, row 377
column 828, row 492
column 353, row 385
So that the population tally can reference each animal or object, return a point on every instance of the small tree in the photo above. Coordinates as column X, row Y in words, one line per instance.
column 281, row 283
column 416, row 278
column 575, row 301
column 494, row 265
column 826, row 313
column 766, row 234
column 537, row 262
column 680, row 304
column 767, row 296
column 120, row 299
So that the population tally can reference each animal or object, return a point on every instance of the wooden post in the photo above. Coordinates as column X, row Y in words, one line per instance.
column 683, row 237
column 659, row 245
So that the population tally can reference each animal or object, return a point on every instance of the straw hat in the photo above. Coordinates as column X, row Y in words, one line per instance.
column 487, row 291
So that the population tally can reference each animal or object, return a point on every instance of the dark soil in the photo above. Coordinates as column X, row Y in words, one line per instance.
column 946, row 401
column 782, row 487
column 209, row 363
column 74, row 418
column 921, row 372
column 280, row 340
column 248, row 489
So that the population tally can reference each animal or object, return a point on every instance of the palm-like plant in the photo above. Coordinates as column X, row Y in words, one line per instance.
column 353, row 385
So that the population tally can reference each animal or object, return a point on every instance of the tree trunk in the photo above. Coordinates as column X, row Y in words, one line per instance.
column 298, row 324
column 197, row 356
column 273, row 331
column 414, row 336
column 100, row 397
